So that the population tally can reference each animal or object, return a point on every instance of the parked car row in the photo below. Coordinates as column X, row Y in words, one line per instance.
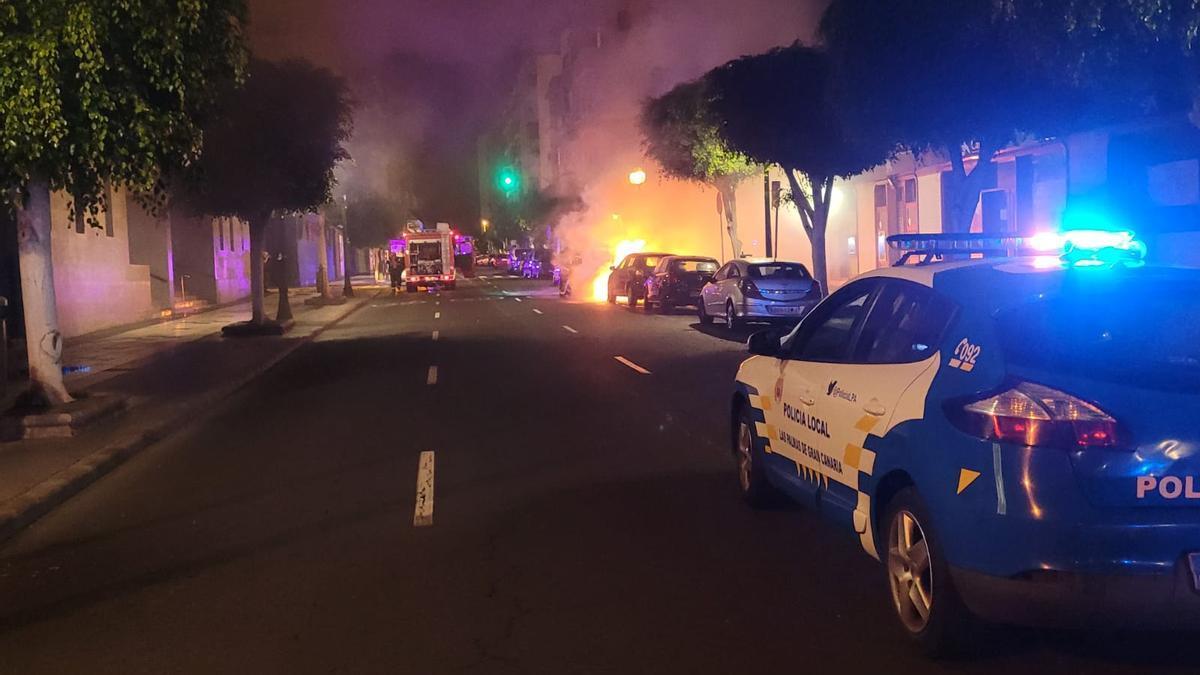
column 739, row 291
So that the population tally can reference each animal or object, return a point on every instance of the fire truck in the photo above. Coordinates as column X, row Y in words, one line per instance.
column 430, row 259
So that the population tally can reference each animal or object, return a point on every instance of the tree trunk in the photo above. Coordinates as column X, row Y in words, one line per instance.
column 284, row 312
column 965, row 188
column 258, row 235
column 814, row 213
column 727, row 190
column 322, row 262
column 347, row 287
column 43, row 340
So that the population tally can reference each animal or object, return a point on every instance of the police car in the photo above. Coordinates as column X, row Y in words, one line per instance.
column 1016, row 437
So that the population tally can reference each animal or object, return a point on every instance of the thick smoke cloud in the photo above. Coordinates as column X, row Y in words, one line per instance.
column 429, row 75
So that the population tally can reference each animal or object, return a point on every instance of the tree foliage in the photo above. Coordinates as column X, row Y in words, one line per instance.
column 525, row 215
column 93, row 91
column 950, row 79
column 775, row 108
column 681, row 131
column 1120, row 58
column 969, row 77
column 276, row 145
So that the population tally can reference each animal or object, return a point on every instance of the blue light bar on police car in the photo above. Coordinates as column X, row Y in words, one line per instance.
column 1074, row 246
column 967, row 242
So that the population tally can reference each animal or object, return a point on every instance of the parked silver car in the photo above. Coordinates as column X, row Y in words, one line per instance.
column 759, row 290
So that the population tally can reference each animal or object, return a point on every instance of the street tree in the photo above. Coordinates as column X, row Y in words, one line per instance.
column 1122, row 59
column 681, row 132
column 951, row 80
column 272, row 151
column 95, row 93
column 775, row 108
column 524, row 213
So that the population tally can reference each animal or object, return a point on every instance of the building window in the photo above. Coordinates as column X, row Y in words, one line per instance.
column 220, row 234
column 880, row 196
column 80, row 216
column 910, row 190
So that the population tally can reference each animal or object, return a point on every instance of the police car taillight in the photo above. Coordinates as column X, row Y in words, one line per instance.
column 1033, row 414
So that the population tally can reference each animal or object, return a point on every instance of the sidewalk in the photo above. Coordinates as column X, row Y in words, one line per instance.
column 169, row 372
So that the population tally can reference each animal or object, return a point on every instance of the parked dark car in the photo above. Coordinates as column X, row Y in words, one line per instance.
column 628, row 279
column 677, row 281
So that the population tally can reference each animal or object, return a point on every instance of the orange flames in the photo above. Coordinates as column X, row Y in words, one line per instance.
column 620, row 250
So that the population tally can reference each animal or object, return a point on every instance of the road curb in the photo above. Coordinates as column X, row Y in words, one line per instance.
column 25, row 509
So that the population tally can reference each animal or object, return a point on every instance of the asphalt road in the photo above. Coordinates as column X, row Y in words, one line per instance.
column 583, row 519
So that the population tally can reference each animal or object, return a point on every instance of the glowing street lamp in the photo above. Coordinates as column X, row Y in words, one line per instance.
column 485, row 224
column 637, row 177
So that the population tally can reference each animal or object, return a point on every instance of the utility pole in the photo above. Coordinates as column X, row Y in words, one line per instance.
column 776, row 200
column 347, row 288
column 767, row 207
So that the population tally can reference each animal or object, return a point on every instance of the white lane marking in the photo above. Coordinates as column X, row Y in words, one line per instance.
column 437, row 315
column 431, row 378
column 517, row 299
column 537, row 311
column 570, row 330
column 436, row 334
column 423, row 511
column 632, row 365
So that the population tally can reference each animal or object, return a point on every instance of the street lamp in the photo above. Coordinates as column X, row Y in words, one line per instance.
column 485, row 224
column 637, row 177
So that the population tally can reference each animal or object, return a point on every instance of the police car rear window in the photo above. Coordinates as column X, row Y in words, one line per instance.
column 1146, row 335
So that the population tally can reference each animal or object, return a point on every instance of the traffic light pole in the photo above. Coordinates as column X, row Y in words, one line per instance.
column 767, row 207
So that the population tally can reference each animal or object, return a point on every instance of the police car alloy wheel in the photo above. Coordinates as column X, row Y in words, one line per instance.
column 910, row 571
column 752, row 478
column 919, row 584
column 731, row 319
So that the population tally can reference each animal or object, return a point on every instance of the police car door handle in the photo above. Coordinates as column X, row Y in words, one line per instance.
column 805, row 396
column 874, row 407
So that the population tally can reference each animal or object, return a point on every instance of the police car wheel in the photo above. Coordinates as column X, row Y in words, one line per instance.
column 922, row 593
column 752, row 479
column 702, row 312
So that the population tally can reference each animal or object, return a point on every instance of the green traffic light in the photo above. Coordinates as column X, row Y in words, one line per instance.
column 508, row 180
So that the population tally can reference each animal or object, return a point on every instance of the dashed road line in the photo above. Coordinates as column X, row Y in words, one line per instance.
column 537, row 311
column 436, row 334
column 517, row 299
column 632, row 365
column 423, row 510
column 437, row 315
column 431, row 378
column 570, row 330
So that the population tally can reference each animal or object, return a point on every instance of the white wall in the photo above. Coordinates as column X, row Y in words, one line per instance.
column 929, row 203
column 95, row 285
